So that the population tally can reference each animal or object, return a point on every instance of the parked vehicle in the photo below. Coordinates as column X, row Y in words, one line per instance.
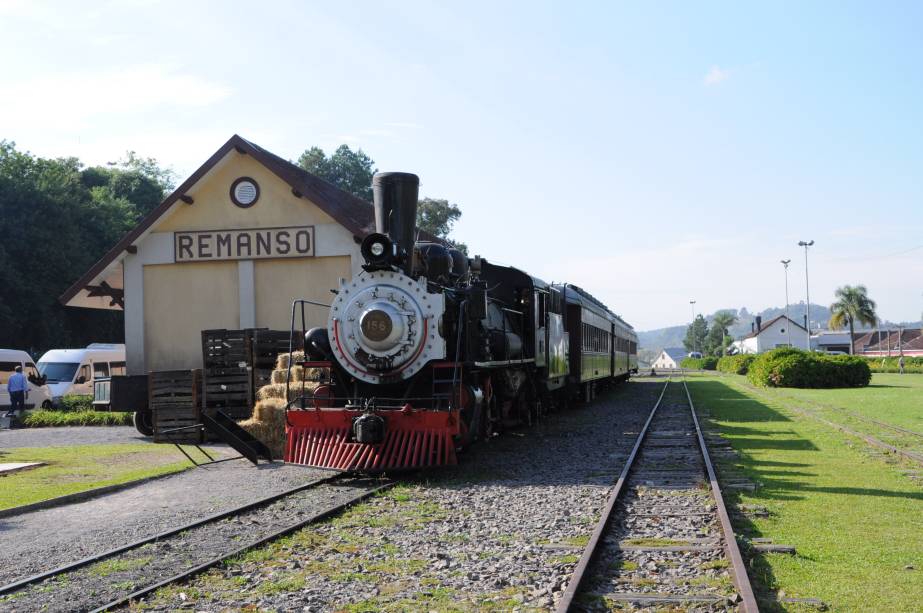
column 73, row 371
column 39, row 394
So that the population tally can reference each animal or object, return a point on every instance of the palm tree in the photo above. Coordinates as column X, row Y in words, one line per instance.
column 723, row 320
column 853, row 304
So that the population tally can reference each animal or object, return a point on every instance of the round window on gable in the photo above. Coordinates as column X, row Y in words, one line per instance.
column 245, row 192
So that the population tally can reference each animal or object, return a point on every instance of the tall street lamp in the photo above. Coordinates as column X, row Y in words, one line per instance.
column 694, row 347
column 807, row 291
column 788, row 324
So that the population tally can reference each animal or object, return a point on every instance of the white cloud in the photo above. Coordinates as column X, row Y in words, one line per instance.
column 716, row 75
column 71, row 100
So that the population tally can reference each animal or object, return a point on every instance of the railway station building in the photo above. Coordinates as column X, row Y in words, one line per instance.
column 232, row 247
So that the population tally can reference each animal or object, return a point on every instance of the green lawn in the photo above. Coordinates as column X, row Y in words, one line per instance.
column 857, row 521
column 79, row 468
column 891, row 398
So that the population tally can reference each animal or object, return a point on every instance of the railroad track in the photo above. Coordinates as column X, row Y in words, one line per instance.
column 127, row 573
column 664, row 538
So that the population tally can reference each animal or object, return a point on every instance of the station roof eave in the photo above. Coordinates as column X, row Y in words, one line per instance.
column 102, row 286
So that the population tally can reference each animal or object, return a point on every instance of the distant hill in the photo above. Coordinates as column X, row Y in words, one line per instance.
column 655, row 340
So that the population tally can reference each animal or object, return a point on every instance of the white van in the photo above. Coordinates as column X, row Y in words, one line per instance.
column 72, row 371
column 39, row 395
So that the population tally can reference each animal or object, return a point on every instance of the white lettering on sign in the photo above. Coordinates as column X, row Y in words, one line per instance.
column 202, row 245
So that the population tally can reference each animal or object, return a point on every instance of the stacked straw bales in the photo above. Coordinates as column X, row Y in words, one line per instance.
column 268, row 420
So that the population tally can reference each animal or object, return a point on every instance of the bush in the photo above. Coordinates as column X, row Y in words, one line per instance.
column 74, row 402
column 49, row 419
column 736, row 364
column 914, row 365
column 789, row 367
column 706, row 363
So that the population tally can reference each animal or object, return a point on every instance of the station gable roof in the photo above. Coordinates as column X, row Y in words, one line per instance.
column 772, row 321
column 354, row 214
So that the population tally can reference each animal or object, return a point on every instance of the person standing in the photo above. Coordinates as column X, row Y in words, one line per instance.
column 18, row 387
column 900, row 365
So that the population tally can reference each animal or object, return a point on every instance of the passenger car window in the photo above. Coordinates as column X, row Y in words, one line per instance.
column 116, row 368
column 84, row 373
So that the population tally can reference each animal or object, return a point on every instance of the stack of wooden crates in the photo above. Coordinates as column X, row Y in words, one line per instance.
column 227, row 383
column 236, row 363
column 174, row 399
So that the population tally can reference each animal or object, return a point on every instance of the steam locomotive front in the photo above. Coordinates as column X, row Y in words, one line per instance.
column 384, row 324
column 383, row 328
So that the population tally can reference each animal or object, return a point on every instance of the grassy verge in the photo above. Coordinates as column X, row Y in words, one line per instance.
column 80, row 468
column 892, row 399
column 857, row 523
column 45, row 419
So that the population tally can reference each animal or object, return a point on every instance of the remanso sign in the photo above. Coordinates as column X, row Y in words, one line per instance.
column 203, row 245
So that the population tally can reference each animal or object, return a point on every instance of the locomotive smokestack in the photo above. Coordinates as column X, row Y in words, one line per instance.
column 395, row 196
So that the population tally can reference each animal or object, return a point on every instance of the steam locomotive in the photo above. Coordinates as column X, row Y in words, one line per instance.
column 426, row 350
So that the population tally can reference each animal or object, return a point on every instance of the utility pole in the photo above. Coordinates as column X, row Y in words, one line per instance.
column 788, row 323
column 807, row 291
column 694, row 349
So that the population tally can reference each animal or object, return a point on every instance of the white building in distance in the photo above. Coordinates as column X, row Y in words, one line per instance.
column 669, row 358
column 778, row 332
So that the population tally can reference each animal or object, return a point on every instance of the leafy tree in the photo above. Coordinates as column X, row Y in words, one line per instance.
column 696, row 334
column 437, row 216
column 718, row 336
column 352, row 172
column 349, row 170
column 853, row 304
column 57, row 219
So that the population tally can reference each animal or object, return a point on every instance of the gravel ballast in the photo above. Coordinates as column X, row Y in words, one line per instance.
column 117, row 577
column 43, row 540
column 502, row 531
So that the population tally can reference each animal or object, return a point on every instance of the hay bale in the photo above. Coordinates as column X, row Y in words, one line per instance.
column 296, row 376
column 270, row 410
column 277, row 390
column 283, row 359
column 269, row 433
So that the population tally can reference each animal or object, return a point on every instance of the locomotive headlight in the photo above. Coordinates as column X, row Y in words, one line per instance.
column 381, row 326
column 376, row 249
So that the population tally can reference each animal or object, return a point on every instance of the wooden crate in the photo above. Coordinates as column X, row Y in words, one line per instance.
column 266, row 345
column 225, row 348
column 228, row 389
column 174, row 399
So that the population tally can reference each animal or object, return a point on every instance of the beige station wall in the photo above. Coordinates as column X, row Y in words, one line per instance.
column 181, row 300
column 278, row 282
column 213, row 210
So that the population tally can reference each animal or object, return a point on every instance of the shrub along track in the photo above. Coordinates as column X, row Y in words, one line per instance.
column 129, row 572
column 665, row 538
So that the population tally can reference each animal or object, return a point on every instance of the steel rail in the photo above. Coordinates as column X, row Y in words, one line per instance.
column 187, row 574
column 17, row 585
column 577, row 578
column 738, row 568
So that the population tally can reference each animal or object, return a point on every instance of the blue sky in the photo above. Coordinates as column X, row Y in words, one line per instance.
column 651, row 152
